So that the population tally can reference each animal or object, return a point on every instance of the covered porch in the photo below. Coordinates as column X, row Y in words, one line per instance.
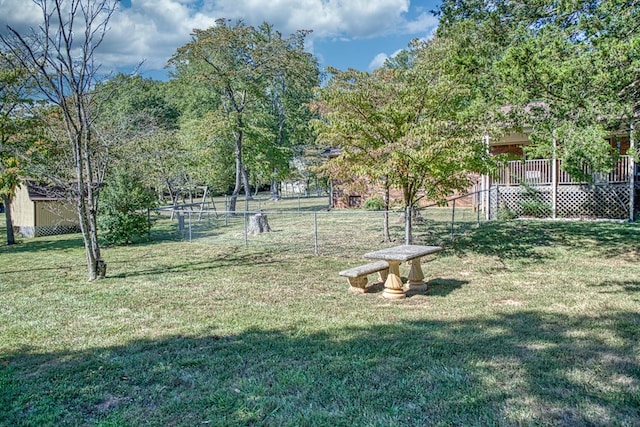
column 541, row 189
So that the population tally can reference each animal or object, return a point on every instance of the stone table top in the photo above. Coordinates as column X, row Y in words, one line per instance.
column 403, row 252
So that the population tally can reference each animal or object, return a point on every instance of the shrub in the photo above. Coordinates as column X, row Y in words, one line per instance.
column 124, row 204
column 506, row 214
column 374, row 203
column 535, row 208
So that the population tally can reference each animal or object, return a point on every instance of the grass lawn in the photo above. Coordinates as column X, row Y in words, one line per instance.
column 524, row 323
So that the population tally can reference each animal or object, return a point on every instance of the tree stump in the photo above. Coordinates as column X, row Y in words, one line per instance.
column 258, row 223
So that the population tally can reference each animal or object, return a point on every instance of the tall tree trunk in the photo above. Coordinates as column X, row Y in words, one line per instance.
column 407, row 214
column 172, row 193
column 275, row 191
column 86, row 203
column 81, row 208
column 239, row 167
column 246, row 184
column 11, row 238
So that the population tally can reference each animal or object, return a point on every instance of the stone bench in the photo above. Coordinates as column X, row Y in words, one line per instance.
column 357, row 276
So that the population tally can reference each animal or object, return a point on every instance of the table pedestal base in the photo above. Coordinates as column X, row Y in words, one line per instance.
column 393, row 284
column 415, row 279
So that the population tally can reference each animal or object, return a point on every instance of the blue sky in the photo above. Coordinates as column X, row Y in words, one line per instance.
column 346, row 33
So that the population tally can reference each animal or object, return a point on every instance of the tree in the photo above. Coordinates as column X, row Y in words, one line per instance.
column 568, row 69
column 359, row 117
column 253, row 71
column 404, row 126
column 289, row 92
column 123, row 213
column 18, row 130
column 137, row 113
column 60, row 56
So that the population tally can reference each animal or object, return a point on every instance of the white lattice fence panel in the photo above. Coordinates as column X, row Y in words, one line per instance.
column 525, row 202
column 588, row 201
column 54, row 230
column 606, row 201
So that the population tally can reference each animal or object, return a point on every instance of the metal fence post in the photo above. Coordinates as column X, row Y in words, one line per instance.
column 226, row 210
column 315, row 232
column 246, row 239
column 453, row 217
column 407, row 226
column 190, row 235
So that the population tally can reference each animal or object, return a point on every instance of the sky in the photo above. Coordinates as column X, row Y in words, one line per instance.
column 358, row 34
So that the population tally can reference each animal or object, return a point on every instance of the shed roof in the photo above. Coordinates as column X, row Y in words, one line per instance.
column 39, row 192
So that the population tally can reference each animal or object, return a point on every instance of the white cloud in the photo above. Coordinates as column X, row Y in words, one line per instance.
column 379, row 60
column 425, row 22
column 153, row 29
column 354, row 18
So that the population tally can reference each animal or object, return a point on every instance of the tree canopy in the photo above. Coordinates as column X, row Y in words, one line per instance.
column 16, row 132
column 262, row 82
column 405, row 125
column 568, row 69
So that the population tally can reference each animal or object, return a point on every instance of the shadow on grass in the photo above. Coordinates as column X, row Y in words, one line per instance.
column 522, row 240
column 443, row 287
column 163, row 233
column 42, row 244
column 435, row 287
column 219, row 261
column 75, row 241
column 621, row 287
column 526, row 368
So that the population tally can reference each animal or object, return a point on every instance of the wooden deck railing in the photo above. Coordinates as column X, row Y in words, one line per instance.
column 539, row 172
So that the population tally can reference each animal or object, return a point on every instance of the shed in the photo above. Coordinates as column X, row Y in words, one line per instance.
column 41, row 210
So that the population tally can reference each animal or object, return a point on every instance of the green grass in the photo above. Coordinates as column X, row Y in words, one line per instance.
column 298, row 224
column 524, row 323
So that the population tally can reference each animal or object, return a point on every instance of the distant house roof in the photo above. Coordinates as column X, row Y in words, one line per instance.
column 332, row 152
column 39, row 192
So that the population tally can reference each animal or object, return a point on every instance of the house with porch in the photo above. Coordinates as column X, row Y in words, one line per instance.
column 540, row 188
column 534, row 188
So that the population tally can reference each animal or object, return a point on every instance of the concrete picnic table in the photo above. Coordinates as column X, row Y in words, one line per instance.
column 396, row 255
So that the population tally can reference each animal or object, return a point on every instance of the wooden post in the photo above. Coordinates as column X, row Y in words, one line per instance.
column 554, row 179
column 226, row 210
column 246, row 240
column 632, row 173
column 486, row 184
column 331, row 201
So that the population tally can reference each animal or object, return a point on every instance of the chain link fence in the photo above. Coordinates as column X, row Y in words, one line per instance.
column 306, row 225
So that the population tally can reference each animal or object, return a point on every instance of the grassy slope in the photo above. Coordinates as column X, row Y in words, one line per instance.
column 524, row 324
